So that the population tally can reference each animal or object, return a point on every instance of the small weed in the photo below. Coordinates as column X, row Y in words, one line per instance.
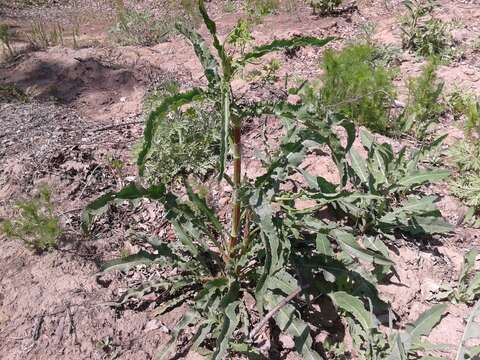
column 466, row 184
column 256, row 9
column 422, row 33
column 241, row 35
column 40, row 37
column 36, row 225
column 11, row 92
column 423, row 107
column 141, row 28
column 324, row 7
column 467, row 289
column 465, row 105
column 357, row 87
column 5, row 36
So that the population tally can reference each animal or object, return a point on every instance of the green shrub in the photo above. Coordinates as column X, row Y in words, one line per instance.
column 36, row 225
column 187, row 141
column 421, row 32
column 354, row 85
column 270, row 251
column 324, row 6
column 141, row 28
column 424, row 105
column 464, row 105
column 465, row 185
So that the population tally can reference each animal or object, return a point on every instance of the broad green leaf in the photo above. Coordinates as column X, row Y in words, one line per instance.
column 169, row 104
column 284, row 44
column 354, row 306
column 125, row 263
column 348, row 243
column 129, row 192
column 359, row 166
column 230, row 322
column 426, row 322
column 472, row 331
column 324, row 247
column 287, row 320
column 423, row 176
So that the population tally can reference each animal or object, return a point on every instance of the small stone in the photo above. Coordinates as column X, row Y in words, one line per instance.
column 286, row 341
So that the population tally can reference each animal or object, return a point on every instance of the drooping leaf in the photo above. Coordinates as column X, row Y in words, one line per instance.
column 169, row 104
column 354, row 306
column 288, row 320
column 283, row 44
column 348, row 243
column 130, row 192
column 426, row 322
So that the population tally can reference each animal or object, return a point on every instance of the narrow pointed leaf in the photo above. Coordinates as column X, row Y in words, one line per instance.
column 283, row 44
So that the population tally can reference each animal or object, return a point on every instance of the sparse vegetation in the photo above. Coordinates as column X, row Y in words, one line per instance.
column 424, row 105
column 324, row 7
column 421, row 32
column 36, row 224
column 5, row 40
column 42, row 37
column 141, row 28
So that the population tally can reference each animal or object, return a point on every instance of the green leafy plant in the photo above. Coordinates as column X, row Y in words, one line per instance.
column 409, row 343
column 421, row 32
column 467, row 289
column 465, row 105
column 466, row 183
column 355, row 86
column 241, row 35
column 282, row 256
column 187, row 140
column 424, row 105
column 36, row 225
column 324, row 7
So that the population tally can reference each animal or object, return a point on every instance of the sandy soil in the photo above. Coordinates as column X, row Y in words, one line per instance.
column 87, row 107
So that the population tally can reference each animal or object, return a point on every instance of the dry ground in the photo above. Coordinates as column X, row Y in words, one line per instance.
column 87, row 106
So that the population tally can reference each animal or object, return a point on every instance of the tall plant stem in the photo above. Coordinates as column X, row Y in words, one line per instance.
column 237, row 168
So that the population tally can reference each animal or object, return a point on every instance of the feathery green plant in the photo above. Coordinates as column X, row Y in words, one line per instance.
column 354, row 85
column 424, row 105
column 36, row 225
